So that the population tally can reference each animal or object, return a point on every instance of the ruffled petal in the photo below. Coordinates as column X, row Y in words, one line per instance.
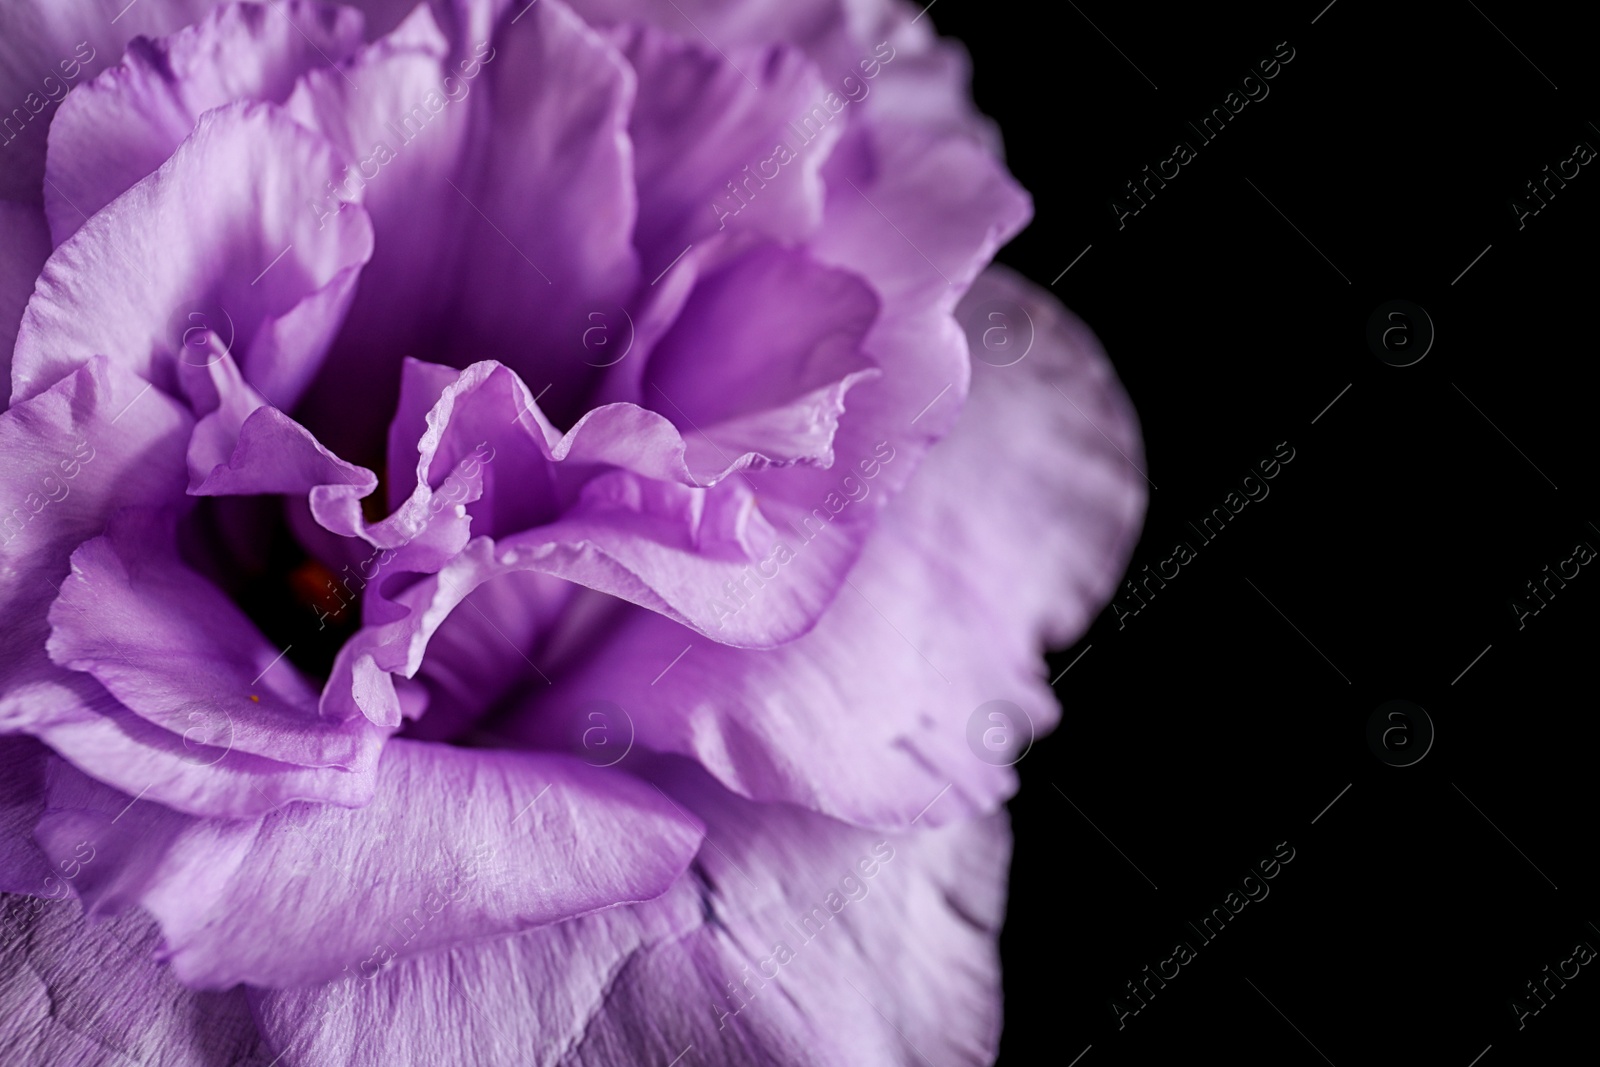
column 918, row 215
column 99, row 441
column 124, row 124
column 219, row 231
column 793, row 939
column 504, row 163
column 966, row 580
column 610, row 505
column 457, row 845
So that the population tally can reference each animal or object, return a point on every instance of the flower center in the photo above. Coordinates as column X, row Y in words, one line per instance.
column 299, row 603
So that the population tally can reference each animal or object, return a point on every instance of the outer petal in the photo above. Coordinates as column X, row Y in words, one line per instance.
column 1013, row 535
column 194, row 772
column 124, row 124
column 833, row 965
column 75, row 993
column 458, row 844
column 920, row 213
column 221, row 228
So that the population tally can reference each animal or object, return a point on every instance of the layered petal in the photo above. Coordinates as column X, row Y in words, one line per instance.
column 174, row 650
column 966, row 580
column 610, row 505
column 97, row 441
column 308, row 893
column 125, row 123
column 502, row 162
column 918, row 215
column 220, row 231
column 48, row 49
column 792, row 939
column 195, row 772
column 400, row 117
column 45, row 51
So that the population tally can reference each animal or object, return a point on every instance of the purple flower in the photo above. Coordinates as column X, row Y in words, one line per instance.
column 501, row 532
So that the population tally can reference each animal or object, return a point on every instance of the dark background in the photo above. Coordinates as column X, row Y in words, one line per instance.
column 1227, row 715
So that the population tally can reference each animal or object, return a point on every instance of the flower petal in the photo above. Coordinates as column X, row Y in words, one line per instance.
column 567, row 506
column 793, row 939
column 46, row 50
column 97, row 441
column 400, row 118
column 457, row 845
column 699, row 127
column 241, row 251
column 556, row 137
column 77, row 718
column 967, row 577
column 124, row 124
column 921, row 216
column 244, row 447
column 174, row 649
column 882, row 56
column 757, row 364
column 72, row 992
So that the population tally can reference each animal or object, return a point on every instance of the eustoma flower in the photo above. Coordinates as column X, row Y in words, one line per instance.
column 503, row 533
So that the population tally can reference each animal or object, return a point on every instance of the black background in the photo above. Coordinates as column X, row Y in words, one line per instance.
column 1227, row 715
